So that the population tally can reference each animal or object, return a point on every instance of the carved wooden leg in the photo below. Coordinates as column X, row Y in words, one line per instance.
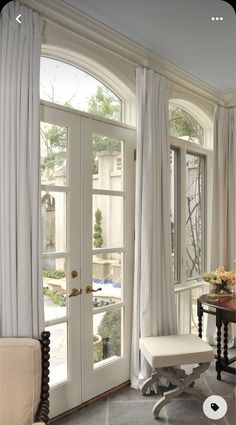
column 226, row 359
column 149, row 382
column 168, row 395
column 182, row 385
column 180, row 372
column 218, row 357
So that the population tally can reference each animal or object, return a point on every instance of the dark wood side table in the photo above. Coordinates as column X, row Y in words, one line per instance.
column 225, row 312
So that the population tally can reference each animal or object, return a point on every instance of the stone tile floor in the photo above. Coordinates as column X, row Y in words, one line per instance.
column 130, row 407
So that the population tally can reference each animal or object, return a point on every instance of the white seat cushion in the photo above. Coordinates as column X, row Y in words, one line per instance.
column 20, row 378
column 175, row 350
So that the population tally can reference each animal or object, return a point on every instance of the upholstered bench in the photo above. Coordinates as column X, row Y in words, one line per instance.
column 166, row 354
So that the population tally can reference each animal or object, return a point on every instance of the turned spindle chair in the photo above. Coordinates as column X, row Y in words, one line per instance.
column 24, row 380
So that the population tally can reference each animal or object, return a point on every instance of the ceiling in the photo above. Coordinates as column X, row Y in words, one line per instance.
column 180, row 31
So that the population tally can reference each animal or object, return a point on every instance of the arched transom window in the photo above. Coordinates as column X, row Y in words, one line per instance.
column 184, row 126
column 69, row 86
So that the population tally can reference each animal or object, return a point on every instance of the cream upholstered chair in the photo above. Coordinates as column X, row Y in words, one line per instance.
column 24, row 378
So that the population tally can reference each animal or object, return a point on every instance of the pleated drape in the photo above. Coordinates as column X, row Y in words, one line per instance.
column 224, row 190
column 154, row 306
column 223, row 246
column 21, row 297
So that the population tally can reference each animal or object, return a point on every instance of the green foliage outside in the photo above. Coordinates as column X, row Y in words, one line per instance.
column 54, row 137
column 181, row 123
column 105, row 104
column 54, row 274
column 54, row 142
column 97, row 235
column 57, row 297
column 110, row 326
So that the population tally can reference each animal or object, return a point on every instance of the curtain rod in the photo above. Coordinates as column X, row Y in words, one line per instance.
column 132, row 62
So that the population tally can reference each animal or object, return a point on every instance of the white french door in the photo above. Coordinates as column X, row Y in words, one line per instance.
column 108, row 188
column 60, row 203
column 87, row 177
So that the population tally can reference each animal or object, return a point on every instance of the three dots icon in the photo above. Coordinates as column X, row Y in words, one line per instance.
column 217, row 18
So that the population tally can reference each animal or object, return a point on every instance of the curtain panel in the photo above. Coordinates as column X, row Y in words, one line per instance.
column 21, row 293
column 224, row 190
column 223, row 247
column 154, row 310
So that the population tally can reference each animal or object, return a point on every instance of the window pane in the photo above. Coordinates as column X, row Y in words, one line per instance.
column 107, row 335
column 69, row 86
column 184, row 125
column 53, row 207
column 194, row 215
column 107, row 163
column 107, row 221
column 53, row 154
column 58, row 353
column 174, row 213
column 108, row 275
column 54, row 286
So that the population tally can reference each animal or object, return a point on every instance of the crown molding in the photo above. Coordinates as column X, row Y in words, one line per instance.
column 107, row 39
column 230, row 99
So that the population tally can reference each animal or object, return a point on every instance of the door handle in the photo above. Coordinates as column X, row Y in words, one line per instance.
column 74, row 274
column 90, row 289
column 75, row 292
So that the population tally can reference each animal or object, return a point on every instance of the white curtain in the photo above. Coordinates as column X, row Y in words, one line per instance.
column 224, row 198
column 154, row 306
column 21, row 298
column 224, row 190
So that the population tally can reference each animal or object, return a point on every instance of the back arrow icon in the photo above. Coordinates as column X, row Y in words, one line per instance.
column 18, row 18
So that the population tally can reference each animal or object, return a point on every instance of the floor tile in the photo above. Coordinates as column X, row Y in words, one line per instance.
column 225, row 387
column 95, row 414
column 231, row 411
column 130, row 407
column 134, row 413
column 186, row 412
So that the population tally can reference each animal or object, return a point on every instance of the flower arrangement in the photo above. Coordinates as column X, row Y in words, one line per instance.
column 222, row 281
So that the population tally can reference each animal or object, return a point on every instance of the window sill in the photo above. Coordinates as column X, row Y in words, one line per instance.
column 187, row 286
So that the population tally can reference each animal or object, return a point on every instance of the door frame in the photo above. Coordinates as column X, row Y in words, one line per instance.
column 66, row 395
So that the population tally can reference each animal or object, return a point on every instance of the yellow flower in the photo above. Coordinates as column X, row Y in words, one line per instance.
column 221, row 269
column 219, row 276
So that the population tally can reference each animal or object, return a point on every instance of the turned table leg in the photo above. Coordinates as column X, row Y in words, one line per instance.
column 200, row 314
column 226, row 359
column 218, row 357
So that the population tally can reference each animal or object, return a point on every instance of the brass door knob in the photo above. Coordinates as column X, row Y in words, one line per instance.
column 75, row 292
column 74, row 274
column 90, row 289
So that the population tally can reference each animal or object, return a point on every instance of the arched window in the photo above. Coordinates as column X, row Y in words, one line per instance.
column 68, row 85
column 184, row 126
column 189, row 170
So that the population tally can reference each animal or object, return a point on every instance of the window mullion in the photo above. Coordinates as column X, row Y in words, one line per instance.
column 208, row 209
column 182, row 214
column 204, row 212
